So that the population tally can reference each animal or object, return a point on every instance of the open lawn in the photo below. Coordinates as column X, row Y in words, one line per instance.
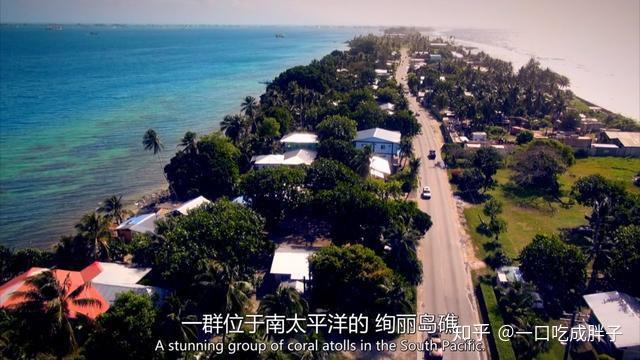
column 528, row 215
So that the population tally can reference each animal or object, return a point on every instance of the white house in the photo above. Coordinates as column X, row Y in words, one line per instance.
column 479, row 136
column 385, row 143
column 379, row 167
column 620, row 313
column 290, row 266
column 300, row 140
column 508, row 275
column 381, row 72
column 113, row 279
column 190, row 205
column 139, row 224
column 292, row 158
column 388, row 107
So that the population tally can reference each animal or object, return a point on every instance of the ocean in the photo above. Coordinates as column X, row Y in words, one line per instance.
column 75, row 102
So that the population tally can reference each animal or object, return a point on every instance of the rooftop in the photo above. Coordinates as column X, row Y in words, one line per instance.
column 300, row 138
column 379, row 167
column 140, row 223
column 510, row 274
column 626, row 138
column 291, row 261
column 617, row 309
column 192, row 204
column 379, row 134
column 293, row 157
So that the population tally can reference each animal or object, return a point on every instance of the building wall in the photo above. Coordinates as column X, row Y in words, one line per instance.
column 379, row 148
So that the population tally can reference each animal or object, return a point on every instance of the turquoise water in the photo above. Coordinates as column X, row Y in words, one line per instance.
column 74, row 106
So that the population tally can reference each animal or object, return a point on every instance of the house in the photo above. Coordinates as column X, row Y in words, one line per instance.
column 435, row 57
column 300, row 140
column 620, row 313
column 102, row 281
column 603, row 149
column 290, row 266
column 379, row 167
column 385, row 143
column 576, row 142
column 190, row 205
column 388, row 107
column 291, row 158
column 457, row 55
column 627, row 141
column 507, row 275
column 479, row 136
column 589, row 124
column 138, row 224
column 381, row 72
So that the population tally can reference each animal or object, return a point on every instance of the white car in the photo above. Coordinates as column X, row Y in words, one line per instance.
column 426, row 193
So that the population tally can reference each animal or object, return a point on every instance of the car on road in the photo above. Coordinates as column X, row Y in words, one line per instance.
column 432, row 154
column 426, row 193
column 436, row 352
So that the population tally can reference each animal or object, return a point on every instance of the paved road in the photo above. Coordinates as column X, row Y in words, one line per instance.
column 446, row 285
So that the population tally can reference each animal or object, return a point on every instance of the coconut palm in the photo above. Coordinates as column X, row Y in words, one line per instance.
column 516, row 302
column 225, row 279
column 234, row 126
column 94, row 228
column 189, row 142
column 363, row 161
column 285, row 301
column 51, row 298
column 112, row 207
column 171, row 326
column 250, row 109
column 406, row 148
column 394, row 299
column 151, row 142
column 414, row 166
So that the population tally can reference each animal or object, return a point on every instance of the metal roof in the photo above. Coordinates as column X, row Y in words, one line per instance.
column 379, row 135
column 614, row 309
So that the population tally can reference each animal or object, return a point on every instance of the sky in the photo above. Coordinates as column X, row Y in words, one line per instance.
column 527, row 14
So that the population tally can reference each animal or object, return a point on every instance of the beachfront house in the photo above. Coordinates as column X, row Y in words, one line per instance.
column 107, row 281
column 289, row 158
column 138, row 224
column 290, row 266
column 186, row 207
column 620, row 313
column 383, row 143
column 300, row 140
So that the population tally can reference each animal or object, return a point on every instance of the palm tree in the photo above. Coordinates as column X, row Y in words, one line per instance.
column 599, row 243
column 221, row 276
column 285, row 301
column 394, row 299
column 51, row 298
column 112, row 207
column 94, row 228
column 171, row 325
column 406, row 148
column 414, row 166
column 189, row 142
column 151, row 142
column 516, row 302
column 250, row 109
column 363, row 161
column 234, row 126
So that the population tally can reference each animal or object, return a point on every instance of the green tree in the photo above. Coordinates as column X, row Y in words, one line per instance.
column 45, row 305
column 488, row 160
column 275, row 191
column 250, row 108
column 189, row 141
column 336, row 127
column 621, row 272
column 496, row 226
column 326, row 174
column 350, row 279
column 269, row 128
column 234, row 127
column 126, row 330
column 469, row 182
column 570, row 120
column 151, row 142
column 212, row 171
column 540, row 164
column 229, row 233
column 94, row 228
column 558, row 269
column 113, row 208
column 524, row 137
column 222, row 280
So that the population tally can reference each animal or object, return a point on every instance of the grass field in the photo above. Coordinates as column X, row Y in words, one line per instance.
column 504, row 349
column 527, row 216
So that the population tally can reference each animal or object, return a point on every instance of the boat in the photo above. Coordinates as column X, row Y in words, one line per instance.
column 279, row 35
column 54, row 27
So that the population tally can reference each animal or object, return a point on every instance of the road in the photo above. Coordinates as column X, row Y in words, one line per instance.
column 446, row 285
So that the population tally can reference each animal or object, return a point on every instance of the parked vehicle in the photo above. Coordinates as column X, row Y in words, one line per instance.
column 432, row 155
column 437, row 353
